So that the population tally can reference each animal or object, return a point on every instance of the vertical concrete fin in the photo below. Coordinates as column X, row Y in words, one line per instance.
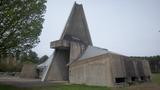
column 76, row 27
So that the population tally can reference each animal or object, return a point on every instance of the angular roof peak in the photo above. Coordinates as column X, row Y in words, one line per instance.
column 78, row 2
column 76, row 26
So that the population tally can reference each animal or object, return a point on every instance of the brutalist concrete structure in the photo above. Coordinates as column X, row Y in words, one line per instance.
column 155, row 66
column 77, row 61
column 29, row 71
column 73, row 42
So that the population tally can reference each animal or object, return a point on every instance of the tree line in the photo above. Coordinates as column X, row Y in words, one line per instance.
column 154, row 62
column 150, row 58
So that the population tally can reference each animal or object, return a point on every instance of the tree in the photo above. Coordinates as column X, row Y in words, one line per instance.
column 30, row 56
column 20, row 25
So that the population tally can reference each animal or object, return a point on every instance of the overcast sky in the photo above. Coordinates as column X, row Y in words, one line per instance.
column 128, row 27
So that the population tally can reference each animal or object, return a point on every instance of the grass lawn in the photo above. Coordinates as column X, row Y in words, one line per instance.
column 56, row 87
column 156, row 78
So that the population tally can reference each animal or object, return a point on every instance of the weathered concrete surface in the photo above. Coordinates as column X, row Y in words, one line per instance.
column 132, row 74
column 75, row 38
column 109, row 69
column 28, row 71
column 60, row 44
column 117, row 68
column 87, row 64
column 136, row 68
column 76, row 28
column 100, row 70
column 92, row 71
column 58, row 69
column 147, row 70
column 140, row 68
column 76, row 51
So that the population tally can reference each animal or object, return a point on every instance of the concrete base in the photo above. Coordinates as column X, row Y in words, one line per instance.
column 29, row 71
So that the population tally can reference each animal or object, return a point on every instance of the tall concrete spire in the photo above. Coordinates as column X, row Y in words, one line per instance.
column 76, row 27
column 73, row 42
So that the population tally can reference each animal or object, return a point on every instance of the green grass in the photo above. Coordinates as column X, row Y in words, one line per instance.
column 6, row 87
column 56, row 87
column 156, row 78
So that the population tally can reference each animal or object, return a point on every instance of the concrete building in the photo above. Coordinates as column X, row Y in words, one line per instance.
column 98, row 66
column 28, row 71
column 77, row 61
column 155, row 66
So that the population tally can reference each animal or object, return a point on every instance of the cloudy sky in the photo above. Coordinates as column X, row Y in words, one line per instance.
column 129, row 27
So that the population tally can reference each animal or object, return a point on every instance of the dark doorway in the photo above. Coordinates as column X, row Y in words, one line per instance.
column 120, row 80
column 133, row 78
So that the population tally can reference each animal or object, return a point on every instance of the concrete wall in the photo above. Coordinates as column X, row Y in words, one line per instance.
column 136, row 70
column 76, row 50
column 92, row 71
column 28, row 71
column 147, row 70
column 132, row 71
column 117, row 69
column 140, row 70
column 108, row 70
column 59, row 69
column 100, row 70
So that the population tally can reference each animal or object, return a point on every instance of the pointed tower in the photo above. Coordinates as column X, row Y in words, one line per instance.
column 76, row 26
column 73, row 42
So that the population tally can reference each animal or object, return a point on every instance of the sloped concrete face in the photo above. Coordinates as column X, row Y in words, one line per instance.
column 136, row 70
column 147, row 71
column 76, row 28
column 62, row 57
column 59, row 69
column 139, row 70
column 131, row 70
column 117, row 69
column 28, row 71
